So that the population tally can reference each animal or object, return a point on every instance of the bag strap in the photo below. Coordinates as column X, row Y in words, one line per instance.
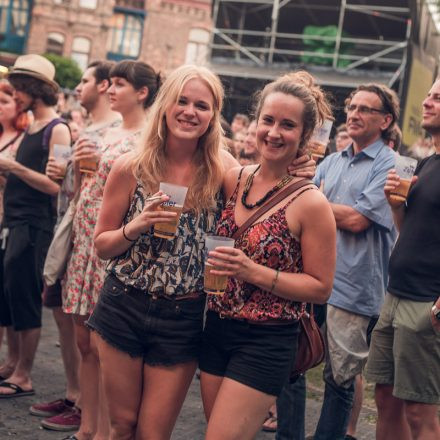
column 270, row 204
column 10, row 142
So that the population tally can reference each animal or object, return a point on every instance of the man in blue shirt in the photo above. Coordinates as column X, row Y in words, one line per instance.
column 353, row 182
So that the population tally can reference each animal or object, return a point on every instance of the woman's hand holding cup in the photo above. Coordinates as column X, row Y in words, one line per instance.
column 151, row 214
column 87, row 155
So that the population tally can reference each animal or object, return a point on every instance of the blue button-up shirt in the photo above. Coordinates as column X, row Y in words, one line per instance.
column 362, row 258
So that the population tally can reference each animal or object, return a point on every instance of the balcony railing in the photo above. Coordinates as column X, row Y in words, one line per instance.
column 130, row 4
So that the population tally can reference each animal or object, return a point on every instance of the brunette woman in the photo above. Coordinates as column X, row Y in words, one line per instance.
column 12, row 126
column 134, row 85
column 284, row 259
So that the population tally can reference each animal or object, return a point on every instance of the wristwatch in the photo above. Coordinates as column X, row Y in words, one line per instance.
column 436, row 311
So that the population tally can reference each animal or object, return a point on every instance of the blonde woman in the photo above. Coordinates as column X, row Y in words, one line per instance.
column 149, row 316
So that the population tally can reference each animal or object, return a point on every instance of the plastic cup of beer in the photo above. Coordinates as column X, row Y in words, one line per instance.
column 215, row 284
column 405, row 168
column 177, row 195
column 319, row 140
column 89, row 166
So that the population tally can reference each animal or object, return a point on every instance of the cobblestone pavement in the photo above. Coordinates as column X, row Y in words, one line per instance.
column 16, row 423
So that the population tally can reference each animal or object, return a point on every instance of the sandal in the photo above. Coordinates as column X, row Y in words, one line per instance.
column 270, row 424
column 18, row 390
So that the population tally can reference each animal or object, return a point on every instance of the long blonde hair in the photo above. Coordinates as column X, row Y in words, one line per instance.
column 149, row 162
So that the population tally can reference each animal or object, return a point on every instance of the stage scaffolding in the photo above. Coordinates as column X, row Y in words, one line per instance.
column 254, row 41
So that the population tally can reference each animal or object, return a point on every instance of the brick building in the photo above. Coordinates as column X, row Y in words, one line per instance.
column 164, row 33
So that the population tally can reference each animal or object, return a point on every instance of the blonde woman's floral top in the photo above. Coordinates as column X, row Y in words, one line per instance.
column 167, row 267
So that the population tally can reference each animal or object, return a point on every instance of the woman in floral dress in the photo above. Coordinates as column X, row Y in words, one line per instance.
column 134, row 85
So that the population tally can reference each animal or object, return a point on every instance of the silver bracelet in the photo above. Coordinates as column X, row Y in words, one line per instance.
column 275, row 280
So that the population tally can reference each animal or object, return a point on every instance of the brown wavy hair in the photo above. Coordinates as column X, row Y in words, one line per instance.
column 301, row 85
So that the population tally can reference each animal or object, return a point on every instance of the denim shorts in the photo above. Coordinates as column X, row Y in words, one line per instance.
column 256, row 355
column 160, row 330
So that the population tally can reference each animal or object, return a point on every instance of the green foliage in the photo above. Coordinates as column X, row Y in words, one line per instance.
column 68, row 74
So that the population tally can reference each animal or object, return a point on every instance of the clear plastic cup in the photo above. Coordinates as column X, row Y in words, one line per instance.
column 89, row 166
column 61, row 153
column 405, row 167
column 215, row 284
column 319, row 140
column 177, row 196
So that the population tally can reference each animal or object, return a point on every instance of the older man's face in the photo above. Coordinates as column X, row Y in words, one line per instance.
column 366, row 118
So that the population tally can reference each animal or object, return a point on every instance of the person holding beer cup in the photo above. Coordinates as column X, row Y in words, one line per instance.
column 149, row 317
column 284, row 259
column 132, row 90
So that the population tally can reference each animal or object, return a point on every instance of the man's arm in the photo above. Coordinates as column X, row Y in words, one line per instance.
column 349, row 219
column 39, row 181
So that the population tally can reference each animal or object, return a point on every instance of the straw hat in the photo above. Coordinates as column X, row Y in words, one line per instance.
column 35, row 66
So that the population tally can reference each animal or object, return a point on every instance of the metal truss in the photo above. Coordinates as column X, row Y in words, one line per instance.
column 264, row 51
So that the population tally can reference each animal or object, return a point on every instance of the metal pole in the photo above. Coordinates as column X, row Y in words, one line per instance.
column 214, row 28
column 273, row 31
column 339, row 34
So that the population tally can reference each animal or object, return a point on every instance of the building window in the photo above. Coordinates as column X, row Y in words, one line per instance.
column 197, row 47
column 81, row 51
column 89, row 4
column 14, row 24
column 55, row 43
column 125, row 36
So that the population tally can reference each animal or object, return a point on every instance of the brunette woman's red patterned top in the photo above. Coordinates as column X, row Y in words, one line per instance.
column 270, row 243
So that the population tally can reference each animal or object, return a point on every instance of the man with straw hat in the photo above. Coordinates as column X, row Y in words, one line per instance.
column 28, row 214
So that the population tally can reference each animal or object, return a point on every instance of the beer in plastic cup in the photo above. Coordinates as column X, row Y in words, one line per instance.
column 61, row 153
column 319, row 140
column 215, row 284
column 89, row 166
column 405, row 168
column 175, row 204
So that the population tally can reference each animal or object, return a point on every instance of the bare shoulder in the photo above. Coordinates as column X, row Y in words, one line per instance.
column 228, row 160
column 60, row 131
column 312, row 204
column 122, row 170
column 231, row 178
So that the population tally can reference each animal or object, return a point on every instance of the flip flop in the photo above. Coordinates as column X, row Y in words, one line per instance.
column 18, row 390
column 71, row 437
column 270, row 420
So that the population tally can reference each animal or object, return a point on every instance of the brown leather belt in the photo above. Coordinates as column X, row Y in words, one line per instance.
column 155, row 295
column 269, row 321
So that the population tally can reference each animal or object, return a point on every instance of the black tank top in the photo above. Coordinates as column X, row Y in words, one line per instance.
column 22, row 203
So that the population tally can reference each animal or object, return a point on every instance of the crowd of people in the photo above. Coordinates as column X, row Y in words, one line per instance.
column 133, row 319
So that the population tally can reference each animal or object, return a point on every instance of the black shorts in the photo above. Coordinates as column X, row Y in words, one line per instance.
column 256, row 355
column 23, row 262
column 162, row 331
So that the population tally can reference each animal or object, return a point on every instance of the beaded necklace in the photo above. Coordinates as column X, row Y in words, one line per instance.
column 281, row 184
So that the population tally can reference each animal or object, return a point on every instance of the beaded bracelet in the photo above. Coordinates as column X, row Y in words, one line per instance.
column 275, row 280
column 125, row 235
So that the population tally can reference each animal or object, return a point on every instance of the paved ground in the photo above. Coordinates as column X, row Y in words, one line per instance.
column 15, row 423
